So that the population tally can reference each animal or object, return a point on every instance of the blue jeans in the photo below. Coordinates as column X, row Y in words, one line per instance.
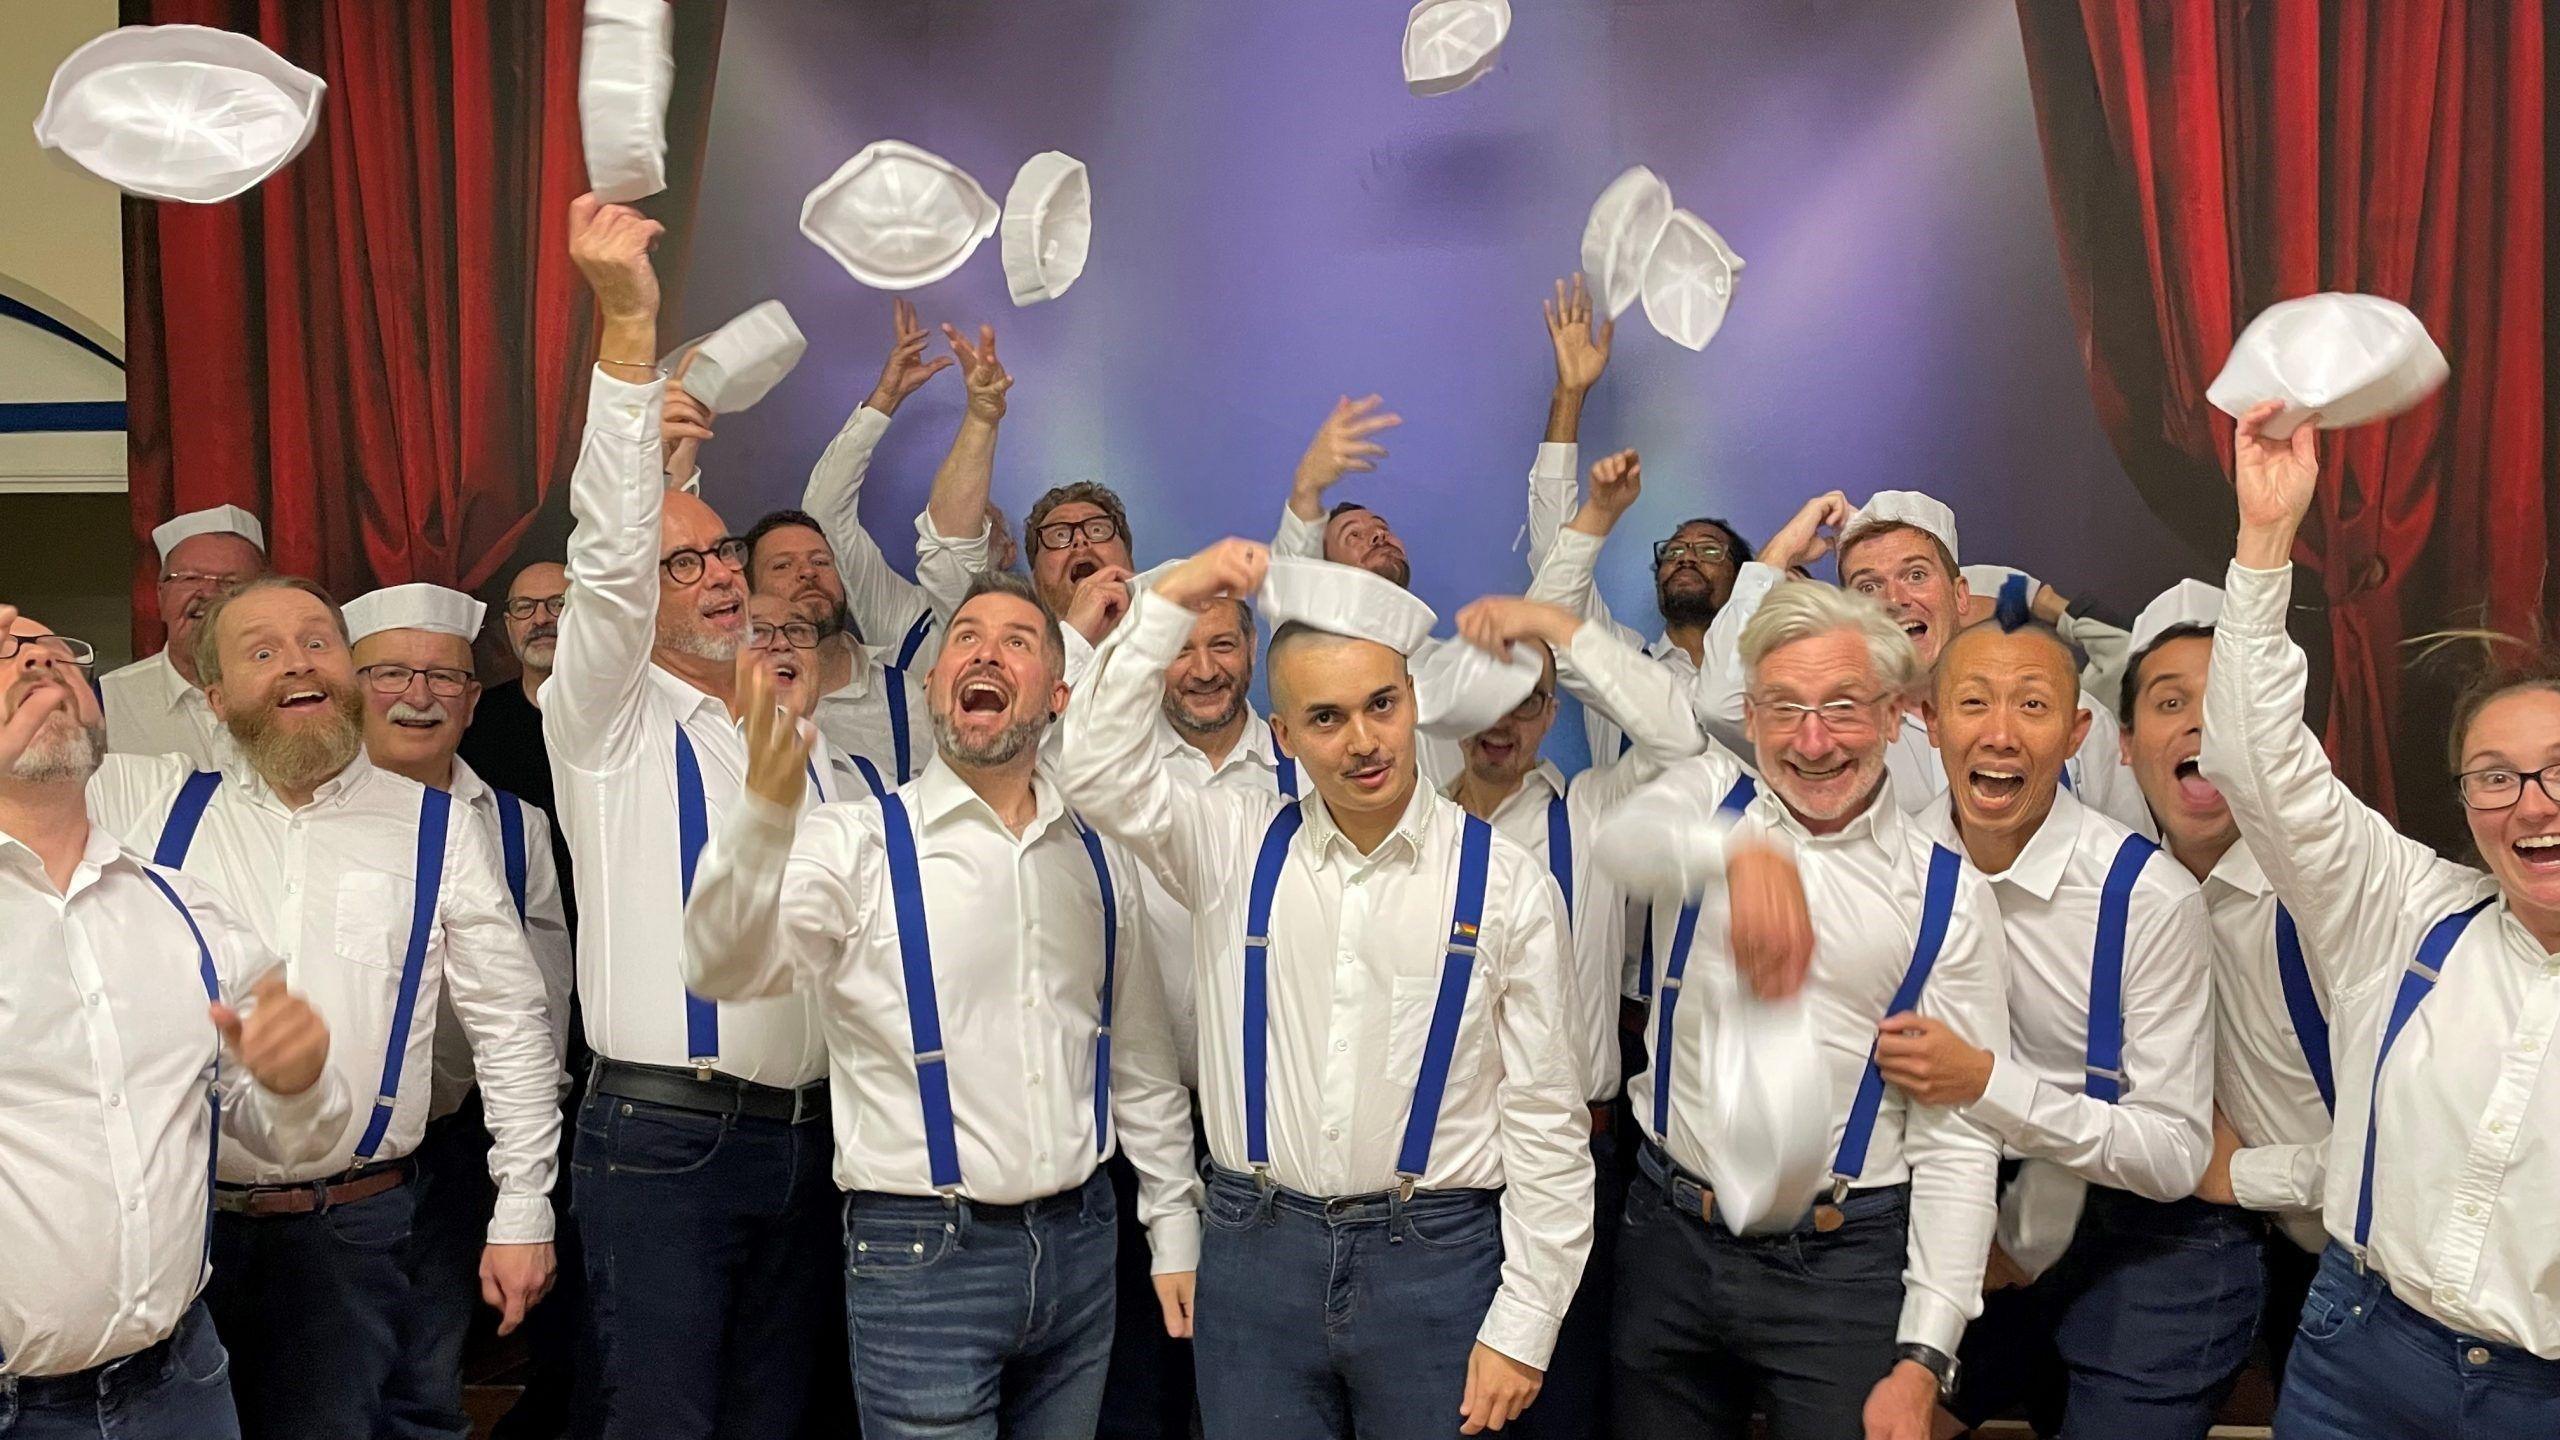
column 182, row 1392
column 1711, row 1326
column 710, row 1256
column 2368, row 1367
column 973, row 1322
column 2137, row 1333
column 309, row 1308
column 1321, row 1319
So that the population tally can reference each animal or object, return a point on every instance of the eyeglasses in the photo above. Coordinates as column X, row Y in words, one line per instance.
column 685, row 566
column 1666, row 552
column 2500, row 789
column 523, row 606
column 1850, row 716
column 1528, row 709
column 1099, row 530
column 394, row 680
column 798, row 634
column 62, row 648
column 199, row 578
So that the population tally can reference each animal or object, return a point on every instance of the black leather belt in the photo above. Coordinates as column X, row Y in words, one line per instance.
column 144, row 1367
column 713, row 1094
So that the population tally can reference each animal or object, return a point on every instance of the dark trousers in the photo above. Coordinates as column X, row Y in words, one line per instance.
column 2290, row 1270
column 309, row 1308
column 1150, row 1393
column 2137, row 1333
column 711, row 1258
column 1323, row 1319
column 455, row 1198
column 969, row 1323
column 1573, row 1404
column 1710, row 1325
column 2368, row 1367
column 180, row 1390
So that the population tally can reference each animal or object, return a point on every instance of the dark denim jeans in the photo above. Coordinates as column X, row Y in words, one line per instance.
column 1574, row 1403
column 308, row 1307
column 2367, row 1367
column 455, row 1197
column 970, row 1323
column 1711, row 1325
column 1321, row 1319
column 1150, row 1394
column 711, row 1267
column 181, row 1393
column 2137, row 1333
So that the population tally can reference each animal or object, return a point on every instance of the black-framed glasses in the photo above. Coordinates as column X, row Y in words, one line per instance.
column 63, row 648
column 685, row 566
column 1705, row 552
column 2499, row 788
column 1097, row 530
column 798, row 634
column 395, row 680
column 523, row 606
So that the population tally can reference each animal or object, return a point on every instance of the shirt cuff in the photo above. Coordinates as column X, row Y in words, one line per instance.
column 971, row 547
column 619, row 407
column 1158, row 628
column 2253, row 601
column 2006, row 1099
column 865, row 423
column 1575, row 547
column 2277, row 1177
column 1519, row 1329
column 521, row 1220
column 1299, row 537
column 1928, row 1319
column 1557, row 460
column 1175, row 1241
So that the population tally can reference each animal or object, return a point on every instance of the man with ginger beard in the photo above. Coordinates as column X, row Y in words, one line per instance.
column 381, row 900
column 2127, row 1302
column 869, row 710
column 156, row 705
column 704, row 1201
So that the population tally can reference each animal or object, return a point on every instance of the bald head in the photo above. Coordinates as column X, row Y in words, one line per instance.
column 702, row 582
column 2032, row 646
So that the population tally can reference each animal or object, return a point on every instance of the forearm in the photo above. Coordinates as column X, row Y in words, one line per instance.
column 1553, row 488
column 1301, row 532
column 1564, row 415
column 2157, row 1153
column 1151, row 1108
column 1637, row 692
column 1721, row 680
column 733, row 942
column 958, row 504
column 1545, row 1133
column 883, row 601
column 615, row 498
column 1108, row 768
column 297, row 1129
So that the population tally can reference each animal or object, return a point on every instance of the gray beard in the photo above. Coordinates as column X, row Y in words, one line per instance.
column 1001, row 748
column 72, row 756
column 1189, row 724
column 704, row 644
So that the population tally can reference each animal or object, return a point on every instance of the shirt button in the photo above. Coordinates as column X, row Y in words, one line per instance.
column 2447, row 1295
column 94, row 998
column 116, row 1101
column 2471, row 1208
column 1035, row 1077
column 132, row 1205
column 1341, row 1044
column 1333, row 1132
column 2496, row 1127
column 2477, row 1354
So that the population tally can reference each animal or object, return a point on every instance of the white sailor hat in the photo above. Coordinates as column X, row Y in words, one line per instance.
column 1450, row 44
column 2347, row 358
column 739, row 364
column 1343, row 600
column 1460, row 690
column 1688, row 281
column 2189, row 602
column 896, row 217
column 626, row 71
column 179, row 112
column 1048, row 227
column 220, row 520
column 414, row 607
column 1905, row 507
column 1625, row 223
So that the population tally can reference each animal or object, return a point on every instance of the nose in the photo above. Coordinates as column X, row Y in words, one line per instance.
column 2535, row 807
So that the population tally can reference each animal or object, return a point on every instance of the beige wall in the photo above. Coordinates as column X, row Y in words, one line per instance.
column 60, row 233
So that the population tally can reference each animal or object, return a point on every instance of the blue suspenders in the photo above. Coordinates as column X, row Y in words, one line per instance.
column 896, row 694
column 1457, row 971
column 693, row 831
column 1560, row 849
column 1288, row 767
column 178, row 832
column 1936, row 909
column 907, row 649
column 511, row 846
column 2310, row 1027
column 2415, row 984
column 870, row 776
column 213, row 1090
column 2105, row 1065
column 924, row 1008
column 1667, row 1002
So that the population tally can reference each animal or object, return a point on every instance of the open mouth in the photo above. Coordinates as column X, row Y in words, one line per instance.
column 983, row 697
column 1996, row 787
column 728, row 611
column 1918, row 630
column 295, row 701
column 412, row 722
column 1819, row 774
column 786, row 671
column 1495, row 751
column 2193, row 788
column 2539, row 853
column 1078, row 569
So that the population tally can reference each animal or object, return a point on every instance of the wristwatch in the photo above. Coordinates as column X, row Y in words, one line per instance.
column 1934, row 1360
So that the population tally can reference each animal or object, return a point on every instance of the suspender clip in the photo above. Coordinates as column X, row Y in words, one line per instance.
column 702, row 1066
column 1826, row 1215
column 1404, row 1187
column 1262, row 1180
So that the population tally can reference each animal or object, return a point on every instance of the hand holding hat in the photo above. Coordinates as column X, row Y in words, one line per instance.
column 611, row 245
column 2275, row 480
column 1231, row 567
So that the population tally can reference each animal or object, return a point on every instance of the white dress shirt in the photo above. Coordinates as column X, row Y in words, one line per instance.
column 887, row 606
column 2095, row 773
column 2463, row 1225
column 331, row 887
column 855, row 717
column 1563, row 564
column 2261, row 1079
column 1438, row 758
column 105, row 1050
column 609, row 716
column 1015, row 926
column 546, row 934
column 1356, row 950
column 152, row 710
column 1252, row 763
column 2155, row 1140
column 1866, row 887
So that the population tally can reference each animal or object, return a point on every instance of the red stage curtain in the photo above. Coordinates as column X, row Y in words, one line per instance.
column 383, row 349
column 2210, row 157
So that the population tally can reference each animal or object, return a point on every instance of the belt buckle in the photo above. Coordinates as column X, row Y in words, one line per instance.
column 1706, row 1205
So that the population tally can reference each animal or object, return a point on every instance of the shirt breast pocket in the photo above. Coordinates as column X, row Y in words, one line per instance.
column 372, row 918
column 1416, row 1001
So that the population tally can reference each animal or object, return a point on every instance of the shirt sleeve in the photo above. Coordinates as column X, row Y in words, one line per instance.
column 2107, row 649
column 1301, row 538
column 945, row 566
column 774, row 895
column 591, row 709
column 1640, row 695
column 546, row 928
column 2106, row 782
column 1149, row 1105
column 498, row 994
column 1954, row 1158
column 1666, row 839
column 2156, row 1139
column 129, row 796
column 1544, row 1125
column 884, row 603
column 2279, row 1177
column 292, row 1130
column 1554, row 487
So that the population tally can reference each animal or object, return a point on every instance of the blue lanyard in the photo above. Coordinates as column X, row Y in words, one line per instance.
column 693, row 831
column 511, row 846
column 1667, row 1001
column 2310, row 1027
column 2105, row 1063
column 2416, row 983
column 1560, row 850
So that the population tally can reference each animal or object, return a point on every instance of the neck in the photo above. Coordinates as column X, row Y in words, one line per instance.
column 2200, row 856
column 835, row 663
column 2542, row 925
column 715, row 678
column 1479, row 796
column 182, row 659
column 1216, row 744
column 1369, row 829
column 1006, row 788
column 1992, row 852
column 1691, row 638
column 435, row 773
column 50, row 818
column 534, row 680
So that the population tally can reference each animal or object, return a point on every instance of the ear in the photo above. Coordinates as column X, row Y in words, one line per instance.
column 1280, row 735
column 1929, row 716
column 1058, row 697
column 470, row 703
column 2124, row 744
column 2080, row 722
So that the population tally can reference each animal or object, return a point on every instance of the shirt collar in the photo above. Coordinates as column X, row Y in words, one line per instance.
column 689, row 699
column 1254, row 746
column 2038, row 868
column 1543, row 783
column 174, row 688
column 341, row 786
column 1880, row 823
column 1404, row 842
column 467, row 787
column 2238, row 868
column 99, row 851
column 939, row 794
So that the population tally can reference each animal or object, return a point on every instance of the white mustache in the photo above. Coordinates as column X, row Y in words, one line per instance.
column 402, row 710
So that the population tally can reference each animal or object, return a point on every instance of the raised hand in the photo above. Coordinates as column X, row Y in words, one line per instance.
column 1497, row 622
column 984, row 374
column 1772, row 930
column 1231, row 567
column 1616, row 481
column 1582, row 352
column 684, row 422
column 1810, row 535
column 1342, row 447
column 2275, row 481
column 611, row 245
column 778, row 742
column 279, row 1039
column 1100, row 599
column 906, row 369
